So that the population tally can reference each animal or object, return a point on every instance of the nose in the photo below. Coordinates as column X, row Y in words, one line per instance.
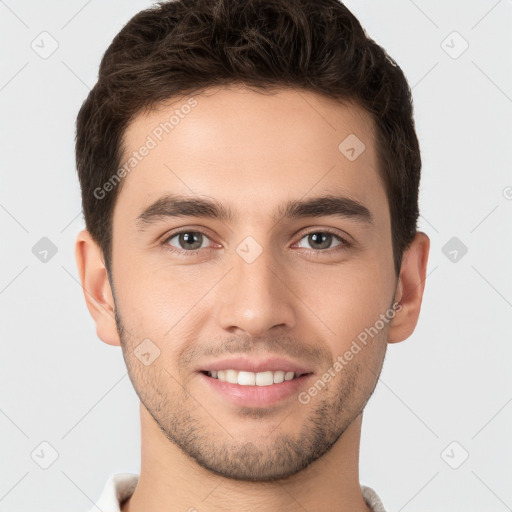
column 255, row 297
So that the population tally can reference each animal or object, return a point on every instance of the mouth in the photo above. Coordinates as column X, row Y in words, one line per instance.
column 247, row 378
column 254, row 382
column 265, row 388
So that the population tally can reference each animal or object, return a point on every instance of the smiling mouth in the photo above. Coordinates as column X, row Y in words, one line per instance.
column 244, row 378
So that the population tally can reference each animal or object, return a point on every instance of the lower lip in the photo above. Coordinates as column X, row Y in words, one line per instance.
column 256, row 396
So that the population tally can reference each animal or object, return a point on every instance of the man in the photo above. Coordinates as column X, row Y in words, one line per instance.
column 249, row 174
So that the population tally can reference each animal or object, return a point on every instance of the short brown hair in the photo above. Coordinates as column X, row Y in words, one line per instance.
column 180, row 47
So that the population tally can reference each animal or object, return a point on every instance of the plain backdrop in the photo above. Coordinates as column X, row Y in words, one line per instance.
column 437, row 431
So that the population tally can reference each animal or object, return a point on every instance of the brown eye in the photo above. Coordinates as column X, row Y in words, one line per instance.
column 322, row 240
column 187, row 240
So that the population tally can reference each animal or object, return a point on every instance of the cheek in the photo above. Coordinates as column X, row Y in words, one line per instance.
column 348, row 297
column 161, row 303
column 148, row 307
column 350, row 302
column 144, row 287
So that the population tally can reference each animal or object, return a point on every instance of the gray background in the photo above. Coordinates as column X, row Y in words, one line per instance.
column 444, row 394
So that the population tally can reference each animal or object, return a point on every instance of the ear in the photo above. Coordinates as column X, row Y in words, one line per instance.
column 96, row 287
column 409, row 292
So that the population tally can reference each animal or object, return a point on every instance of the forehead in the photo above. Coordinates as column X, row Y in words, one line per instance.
column 251, row 150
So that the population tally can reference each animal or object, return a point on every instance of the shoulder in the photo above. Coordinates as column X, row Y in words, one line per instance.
column 118, row 488
column 372, row 499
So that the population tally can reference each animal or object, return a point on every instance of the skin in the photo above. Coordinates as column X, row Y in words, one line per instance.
column 252, row 152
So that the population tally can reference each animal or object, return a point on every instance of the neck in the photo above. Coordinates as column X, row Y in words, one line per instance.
column 171, row 481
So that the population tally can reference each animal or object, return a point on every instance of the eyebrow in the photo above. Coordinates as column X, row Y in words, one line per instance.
column 174, row 205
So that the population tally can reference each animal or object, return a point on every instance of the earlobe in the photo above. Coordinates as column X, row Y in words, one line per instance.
column 409, row 292
column 96, row 287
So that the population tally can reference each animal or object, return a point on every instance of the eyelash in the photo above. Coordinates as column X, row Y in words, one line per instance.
column 345, row 244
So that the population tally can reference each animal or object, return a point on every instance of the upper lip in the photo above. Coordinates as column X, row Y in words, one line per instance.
column 255, row 365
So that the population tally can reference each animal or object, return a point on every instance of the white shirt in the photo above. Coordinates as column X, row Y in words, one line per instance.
column 120, row 486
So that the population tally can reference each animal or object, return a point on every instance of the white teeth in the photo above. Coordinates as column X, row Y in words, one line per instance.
column 278, row 377
column 232, row 376
column 264, row 379
column 252, row 379
column 246, row 378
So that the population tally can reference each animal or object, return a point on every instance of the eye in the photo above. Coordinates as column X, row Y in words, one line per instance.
column 187, row 241
column 323, row 239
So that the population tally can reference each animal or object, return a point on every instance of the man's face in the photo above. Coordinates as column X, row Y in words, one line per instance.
column 264, row 283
